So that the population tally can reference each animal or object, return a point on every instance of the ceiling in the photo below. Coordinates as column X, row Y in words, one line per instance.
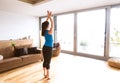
column 57, row 6
column 33, row 2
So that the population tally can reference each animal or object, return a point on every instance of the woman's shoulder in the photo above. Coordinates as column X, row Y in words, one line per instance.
column 47, row 32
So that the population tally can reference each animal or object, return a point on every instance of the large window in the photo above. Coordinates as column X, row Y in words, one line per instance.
column 115, row 33
column 90, row 32
column 65, row 30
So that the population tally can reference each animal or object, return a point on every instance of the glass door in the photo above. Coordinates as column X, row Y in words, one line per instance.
column 65, row 31
column 115, row 33
column 90, row 32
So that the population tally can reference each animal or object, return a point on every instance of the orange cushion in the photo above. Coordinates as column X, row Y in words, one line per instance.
column 114, row 62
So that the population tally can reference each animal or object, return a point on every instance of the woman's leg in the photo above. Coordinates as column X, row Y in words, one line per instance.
column 47, row 75
column 45, row 61
column 44, row 69
column 49, row 56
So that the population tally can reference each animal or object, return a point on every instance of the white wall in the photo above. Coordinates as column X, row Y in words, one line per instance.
column 15, row 26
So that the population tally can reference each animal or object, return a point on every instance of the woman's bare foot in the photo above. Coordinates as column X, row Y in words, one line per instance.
column 45, row 76
column 48, row 78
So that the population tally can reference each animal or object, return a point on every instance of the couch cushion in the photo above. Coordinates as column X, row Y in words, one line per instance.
column 10, row 63
column 30, row 58
column 6, row 51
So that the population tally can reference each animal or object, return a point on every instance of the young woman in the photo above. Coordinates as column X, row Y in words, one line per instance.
column 47, row 32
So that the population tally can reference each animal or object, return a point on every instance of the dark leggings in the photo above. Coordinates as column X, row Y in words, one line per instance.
column 47, row 54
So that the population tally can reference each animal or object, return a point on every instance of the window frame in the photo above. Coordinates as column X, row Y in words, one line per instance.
column 107, row 31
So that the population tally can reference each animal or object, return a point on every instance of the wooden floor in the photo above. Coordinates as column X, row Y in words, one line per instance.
column 65, row 69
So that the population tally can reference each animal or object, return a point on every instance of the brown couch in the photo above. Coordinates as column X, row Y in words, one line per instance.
column 10, row 60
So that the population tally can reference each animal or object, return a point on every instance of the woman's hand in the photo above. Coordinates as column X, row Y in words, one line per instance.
column 49, row 14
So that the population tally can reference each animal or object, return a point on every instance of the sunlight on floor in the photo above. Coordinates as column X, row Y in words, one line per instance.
column 65, row 69
column 79, row 69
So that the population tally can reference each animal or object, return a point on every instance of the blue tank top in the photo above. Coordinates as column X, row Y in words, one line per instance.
column 48, row 39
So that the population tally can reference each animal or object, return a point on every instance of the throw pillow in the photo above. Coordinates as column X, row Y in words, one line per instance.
column 32, row 50
column 20, row 51
column 1, row 57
